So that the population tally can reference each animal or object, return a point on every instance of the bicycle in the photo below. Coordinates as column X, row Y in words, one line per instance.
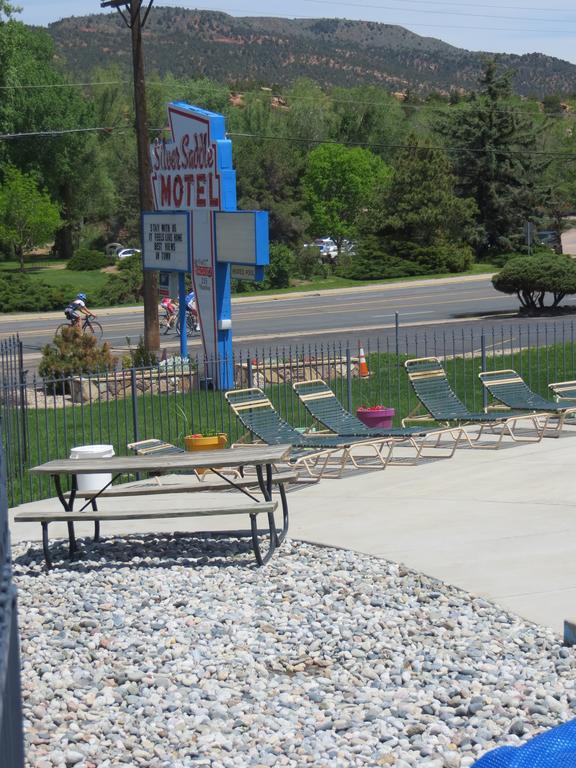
column 89, row 326
column 172, row 322
column 192, row 324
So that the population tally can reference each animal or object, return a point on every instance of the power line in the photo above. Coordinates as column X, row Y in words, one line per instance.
column 293, row 139
column 301, row 140
column 388, row 24
column 63, row 132
column 61, row 85
column 441, row 13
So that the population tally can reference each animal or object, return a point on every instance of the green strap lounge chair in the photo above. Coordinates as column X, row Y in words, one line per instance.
column 320, row 455
column 564, row 392
column 321, row 403
column 509, row 388
column 433, row 390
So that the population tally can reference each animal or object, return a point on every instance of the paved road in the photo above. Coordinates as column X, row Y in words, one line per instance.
column 456, row 308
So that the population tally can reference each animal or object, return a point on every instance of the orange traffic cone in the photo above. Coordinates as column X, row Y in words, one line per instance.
column 363, row 371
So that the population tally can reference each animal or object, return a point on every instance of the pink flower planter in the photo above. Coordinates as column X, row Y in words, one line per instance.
column 376, row 417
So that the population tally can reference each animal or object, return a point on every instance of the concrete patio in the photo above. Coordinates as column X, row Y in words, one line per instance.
column 501, row 524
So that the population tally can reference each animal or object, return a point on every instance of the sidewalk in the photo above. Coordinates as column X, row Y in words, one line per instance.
column 501, row 524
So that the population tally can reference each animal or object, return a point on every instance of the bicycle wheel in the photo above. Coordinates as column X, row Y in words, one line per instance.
column 61, row 328
column 94, row 328
column 191, row 326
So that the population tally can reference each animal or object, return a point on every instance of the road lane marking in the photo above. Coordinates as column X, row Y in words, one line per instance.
column 406, row 314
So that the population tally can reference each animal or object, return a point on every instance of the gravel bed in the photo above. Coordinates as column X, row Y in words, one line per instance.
column 159, row 651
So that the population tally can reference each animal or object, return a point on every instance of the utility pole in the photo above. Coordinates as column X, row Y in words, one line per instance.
column 130, row 10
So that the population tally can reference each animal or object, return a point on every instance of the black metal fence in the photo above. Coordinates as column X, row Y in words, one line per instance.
column 43, row 419
column 11, row 739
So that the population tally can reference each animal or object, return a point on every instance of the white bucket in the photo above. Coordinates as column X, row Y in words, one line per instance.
column 98, row 481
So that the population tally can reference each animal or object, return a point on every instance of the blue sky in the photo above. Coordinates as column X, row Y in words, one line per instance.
column 511, row 26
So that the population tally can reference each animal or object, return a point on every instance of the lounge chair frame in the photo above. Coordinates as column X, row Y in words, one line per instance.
column 444, row 406
column 509, row 388
column 332, row 415
column 327, row 456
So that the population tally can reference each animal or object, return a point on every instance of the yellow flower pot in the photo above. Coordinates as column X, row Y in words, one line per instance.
column 205, row 443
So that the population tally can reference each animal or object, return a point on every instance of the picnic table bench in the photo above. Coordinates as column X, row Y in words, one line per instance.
column 262, row 458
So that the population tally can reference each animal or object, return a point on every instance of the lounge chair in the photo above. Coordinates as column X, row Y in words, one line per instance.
column 509, row 388
column 319, row 455
column 434, row 392
column 321, row 403
column 564, row 392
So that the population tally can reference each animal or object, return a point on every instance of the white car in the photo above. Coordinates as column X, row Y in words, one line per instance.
column 126, row 252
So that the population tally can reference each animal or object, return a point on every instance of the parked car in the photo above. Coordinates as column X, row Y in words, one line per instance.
column 328, row 248
column 126, row 252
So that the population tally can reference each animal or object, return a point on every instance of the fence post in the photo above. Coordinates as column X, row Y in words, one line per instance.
column 348, row 377
column 11, row 732
column 23, row 401
column 483, row 368
column 136, row 428
column 250, row 373
column 397, row 343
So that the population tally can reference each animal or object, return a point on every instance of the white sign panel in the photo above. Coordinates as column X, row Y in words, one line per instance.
column 236, row 237
column 166, row 241
column 204, row 279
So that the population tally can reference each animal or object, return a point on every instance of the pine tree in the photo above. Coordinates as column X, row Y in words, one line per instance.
column 495, row 149
column 418, row 224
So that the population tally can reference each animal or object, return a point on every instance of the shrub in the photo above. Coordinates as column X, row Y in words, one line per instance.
column 85, row 260
column 437, row 258
column 72, row 353
column 281, row 267
column 140, row 357
column 20, row 293
column 374, row 261
column 308, row 264
column 124, row 287
column 532, row 277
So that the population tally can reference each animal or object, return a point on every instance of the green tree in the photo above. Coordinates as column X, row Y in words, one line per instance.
column 339, row 185
column 368, row 116
column 68, row 162
column 420, row 205
column 268, row 168
column 28, row 217
column 497, row 162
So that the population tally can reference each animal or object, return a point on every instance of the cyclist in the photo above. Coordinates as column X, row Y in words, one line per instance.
column 191, row 308
column 171, row 310
column 75, row 308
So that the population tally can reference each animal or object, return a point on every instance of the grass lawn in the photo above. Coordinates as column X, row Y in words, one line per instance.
column 45, row 270
column 343, row 282
column 51, row 432
column 85, row 282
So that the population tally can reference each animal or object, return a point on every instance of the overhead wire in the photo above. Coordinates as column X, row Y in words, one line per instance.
column 293, row 139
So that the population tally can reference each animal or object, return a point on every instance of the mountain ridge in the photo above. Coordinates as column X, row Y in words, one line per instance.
column 277, row 51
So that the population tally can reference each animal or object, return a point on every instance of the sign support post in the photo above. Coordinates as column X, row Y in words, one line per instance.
column 182, row 313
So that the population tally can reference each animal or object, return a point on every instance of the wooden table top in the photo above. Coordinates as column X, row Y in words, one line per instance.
column 250, row 455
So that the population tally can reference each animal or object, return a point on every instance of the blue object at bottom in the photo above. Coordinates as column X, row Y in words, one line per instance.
column 554, row 749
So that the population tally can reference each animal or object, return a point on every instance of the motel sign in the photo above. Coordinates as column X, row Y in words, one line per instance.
column 192, row 174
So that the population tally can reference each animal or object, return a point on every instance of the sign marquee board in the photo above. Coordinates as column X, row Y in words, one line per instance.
column 166, row 241
column 192, row 171
column 242, row 237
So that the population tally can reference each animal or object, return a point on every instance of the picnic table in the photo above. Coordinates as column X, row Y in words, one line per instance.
column 262, row 458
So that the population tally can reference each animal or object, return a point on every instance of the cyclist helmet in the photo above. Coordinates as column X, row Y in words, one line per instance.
column 81, row 296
